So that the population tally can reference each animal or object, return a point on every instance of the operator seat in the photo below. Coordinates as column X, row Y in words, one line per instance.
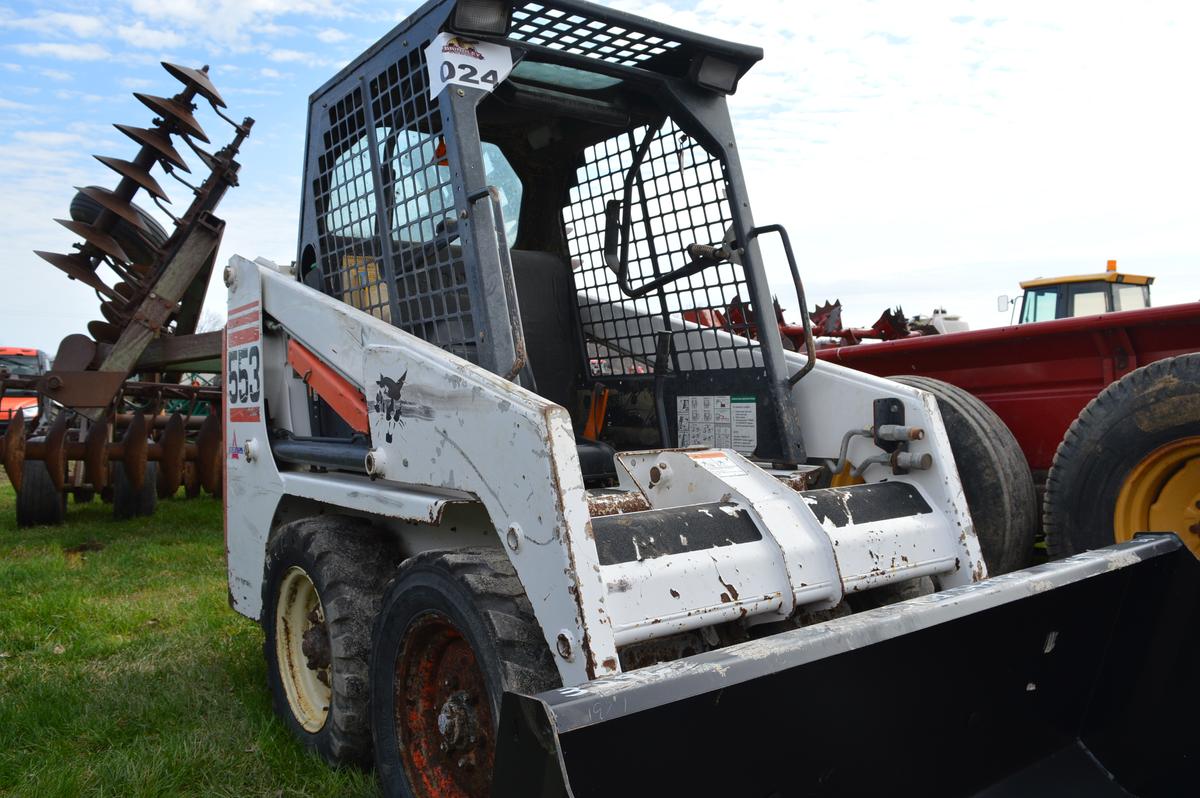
column 545, row 297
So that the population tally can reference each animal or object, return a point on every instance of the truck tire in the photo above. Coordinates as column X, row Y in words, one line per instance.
column 38, row 503
column 324, row 576
column 454, row 632
column 1130, row 462
column 128, row 503
column 995, row 475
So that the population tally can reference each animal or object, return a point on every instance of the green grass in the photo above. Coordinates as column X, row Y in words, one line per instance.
column 123, row 671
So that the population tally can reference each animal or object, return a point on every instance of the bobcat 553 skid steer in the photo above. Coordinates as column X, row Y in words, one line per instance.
column 513, row 526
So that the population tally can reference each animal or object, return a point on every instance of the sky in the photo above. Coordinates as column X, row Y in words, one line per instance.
column 927, row 154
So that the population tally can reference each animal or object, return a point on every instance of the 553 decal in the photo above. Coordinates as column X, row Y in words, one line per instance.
column 245, row 375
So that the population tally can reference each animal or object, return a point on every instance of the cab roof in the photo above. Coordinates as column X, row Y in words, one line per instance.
column 1108, row 277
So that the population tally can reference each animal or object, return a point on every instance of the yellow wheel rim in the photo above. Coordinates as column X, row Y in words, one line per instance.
column 1162, row 494
column 297, row 613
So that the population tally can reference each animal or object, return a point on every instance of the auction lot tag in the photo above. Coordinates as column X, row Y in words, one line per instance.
column 463, row 62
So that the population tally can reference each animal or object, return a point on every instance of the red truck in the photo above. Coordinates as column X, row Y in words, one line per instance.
column 1105, row 405
column 21, row 362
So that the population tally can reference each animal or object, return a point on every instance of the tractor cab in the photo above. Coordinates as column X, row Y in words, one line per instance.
column 1049, row 298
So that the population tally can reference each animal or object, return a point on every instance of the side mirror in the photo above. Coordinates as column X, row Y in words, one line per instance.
column 1002, row 303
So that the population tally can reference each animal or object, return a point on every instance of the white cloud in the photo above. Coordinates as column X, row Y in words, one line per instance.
column 64, row 52
column 285, row 56
column 273, row 74
column 13, row 105
column 59, row 23
column 139, row 35
column 55, row 74
column 970, row 154
column 332, row 35
column 236, row 22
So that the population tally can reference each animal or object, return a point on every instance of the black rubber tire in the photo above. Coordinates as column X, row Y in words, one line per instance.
column 141, row 246
column 128, row 503
column 478, row 590
column 1148, row 407
column 83, row 495
column 994, row 473
column 348, row 562
column 38, row 503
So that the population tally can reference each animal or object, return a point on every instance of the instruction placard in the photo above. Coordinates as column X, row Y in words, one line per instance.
column 722, row 422
column 461, row 61
column 717, row 463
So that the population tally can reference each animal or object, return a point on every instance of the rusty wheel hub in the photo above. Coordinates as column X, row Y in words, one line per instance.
column 443, row 716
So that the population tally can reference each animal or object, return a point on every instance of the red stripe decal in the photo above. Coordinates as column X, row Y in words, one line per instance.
column 243, row 414
column 242, row 321
column 246, row 336
column 235, row 311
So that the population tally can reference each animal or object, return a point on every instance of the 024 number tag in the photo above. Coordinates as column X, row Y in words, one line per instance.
column 456, row 60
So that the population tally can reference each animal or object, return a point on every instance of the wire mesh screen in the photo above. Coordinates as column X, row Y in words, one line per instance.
column 432, row 298
column 398, row 264
column 344, row 190
column 678, row 198
column 545, row 25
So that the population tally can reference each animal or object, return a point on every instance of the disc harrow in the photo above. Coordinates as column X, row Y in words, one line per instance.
column 113, row 388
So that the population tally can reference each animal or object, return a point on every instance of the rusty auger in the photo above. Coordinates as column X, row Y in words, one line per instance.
column 150, row 307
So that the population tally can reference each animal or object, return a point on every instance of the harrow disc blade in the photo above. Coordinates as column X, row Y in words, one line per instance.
column 110, row 313
column 135, row 173
column 14, row 449
column 97, row 238
column 111, row 202
column 103, row 331
column 158, row 141
column 78, row 268
column 124, row 291
column 209, row 455
column 54, row 451
column 170, row 464
column 196, row 80
column 134, row 449
column 75, row 353
column 173, row 111
column 95, row 454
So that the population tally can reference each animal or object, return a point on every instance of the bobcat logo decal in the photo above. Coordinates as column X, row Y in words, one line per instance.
column 389, row 402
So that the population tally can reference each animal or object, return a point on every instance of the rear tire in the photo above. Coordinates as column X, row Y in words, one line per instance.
column 454, row 633
column 128, row 503
column 1133, row 449
column 994, row 473
column 318, row 679
column 38, row 503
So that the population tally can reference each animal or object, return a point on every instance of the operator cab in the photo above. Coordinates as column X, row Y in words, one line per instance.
column 557, row 223
column 1083, row 295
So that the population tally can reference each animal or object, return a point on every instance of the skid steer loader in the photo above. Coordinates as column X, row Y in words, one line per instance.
column 514, row 526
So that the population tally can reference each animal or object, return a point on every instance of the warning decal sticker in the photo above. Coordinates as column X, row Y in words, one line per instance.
column 722, row 422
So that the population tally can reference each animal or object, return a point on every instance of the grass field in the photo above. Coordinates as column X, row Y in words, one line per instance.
column 123, row 672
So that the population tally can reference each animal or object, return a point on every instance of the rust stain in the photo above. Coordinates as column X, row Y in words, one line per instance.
column 616, row 504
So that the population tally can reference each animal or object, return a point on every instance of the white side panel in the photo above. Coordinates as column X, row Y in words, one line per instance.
column 252, row 484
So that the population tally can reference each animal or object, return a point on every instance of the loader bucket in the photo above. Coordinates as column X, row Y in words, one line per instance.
column 1074, row 678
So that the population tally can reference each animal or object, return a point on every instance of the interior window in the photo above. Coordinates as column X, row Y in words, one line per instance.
column 1132, row 297
column 1041, row 304
column 351, row 209
column 501, row 175
column 1089, row 301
